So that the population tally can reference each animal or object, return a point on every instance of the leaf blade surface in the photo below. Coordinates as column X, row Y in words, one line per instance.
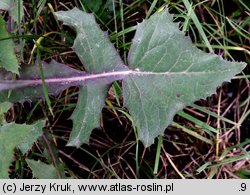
column 98, row 56
column 91, row 98
column 15, row 9
column 171, row 74
column 41, row 170
column 91, row 45
column 11, row 135
column 8, row 59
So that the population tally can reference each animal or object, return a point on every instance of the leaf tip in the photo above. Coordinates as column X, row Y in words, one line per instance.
column 74, row 143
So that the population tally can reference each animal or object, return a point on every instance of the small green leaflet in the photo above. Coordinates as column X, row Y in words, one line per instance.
column 165, row 73
column 41, row 170
column 8, row 59
column 4, row 107
column 12, row 135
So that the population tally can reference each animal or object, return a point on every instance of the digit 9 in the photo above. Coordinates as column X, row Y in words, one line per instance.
column 243, row 186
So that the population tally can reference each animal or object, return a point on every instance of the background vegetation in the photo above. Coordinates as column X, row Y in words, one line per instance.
column 209, row 139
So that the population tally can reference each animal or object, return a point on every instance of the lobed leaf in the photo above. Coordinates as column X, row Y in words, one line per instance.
column 165, row 73
column 171, row 73
column 41, row 170
column 98, row 56
column 11, row 135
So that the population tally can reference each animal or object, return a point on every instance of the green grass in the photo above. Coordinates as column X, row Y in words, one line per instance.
column 207, row 139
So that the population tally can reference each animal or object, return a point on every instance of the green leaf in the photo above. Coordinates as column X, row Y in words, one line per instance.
column 11, row 135
column 86, row 115
column 8, row 59
column 5, row 4
column 165, row 74
column 28, row 141
column 4, row 107
column 98, row 56
column 15, row 8
column 91, row 45
column 41, row 170
column 171, row 74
